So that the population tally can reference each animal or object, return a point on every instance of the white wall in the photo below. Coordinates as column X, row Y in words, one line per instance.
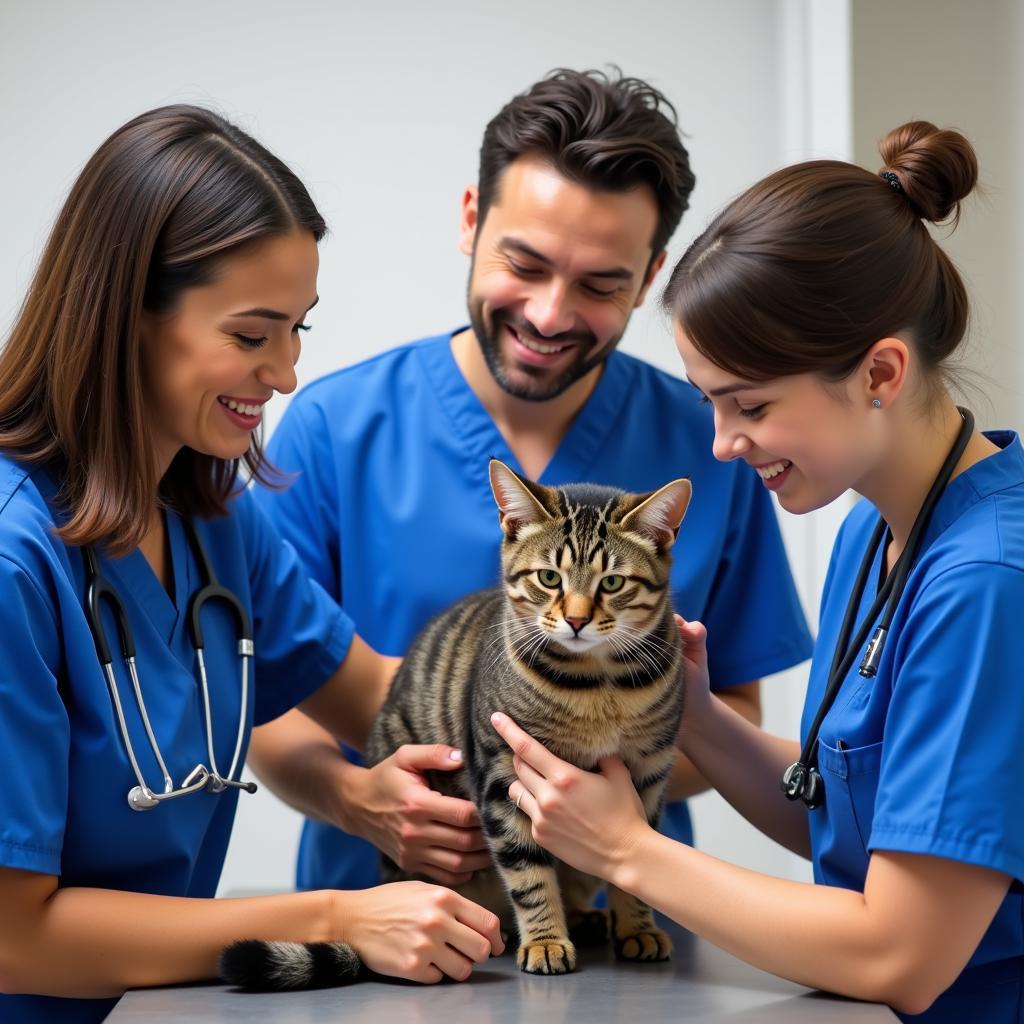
column 959, row 65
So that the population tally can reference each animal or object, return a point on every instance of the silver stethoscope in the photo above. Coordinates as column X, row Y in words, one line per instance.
column 802, row 780
column 98, row 589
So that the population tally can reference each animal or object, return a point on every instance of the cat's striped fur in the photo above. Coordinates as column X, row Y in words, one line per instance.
column 579, row 647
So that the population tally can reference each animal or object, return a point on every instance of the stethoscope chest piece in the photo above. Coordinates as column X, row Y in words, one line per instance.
column 803, row 782
column 201, row 778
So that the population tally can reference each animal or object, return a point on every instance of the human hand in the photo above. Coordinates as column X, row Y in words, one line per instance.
column 417, row 931
column 423, row 832
column 697, row 702
column 591, row 820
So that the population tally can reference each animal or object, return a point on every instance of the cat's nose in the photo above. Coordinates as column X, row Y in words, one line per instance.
column 576, row 622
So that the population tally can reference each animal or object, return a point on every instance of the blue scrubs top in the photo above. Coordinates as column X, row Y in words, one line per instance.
column 66, row 775
column 925, row 757
column 392, row 512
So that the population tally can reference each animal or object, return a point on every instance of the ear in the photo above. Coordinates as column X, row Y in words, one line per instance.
column 658, row 516
column 468, row 220
column 656, row 264
column 518, row 506
column 884, row 370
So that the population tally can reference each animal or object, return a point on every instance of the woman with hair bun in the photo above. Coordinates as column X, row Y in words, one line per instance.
column 165, row 313
column 818, row 316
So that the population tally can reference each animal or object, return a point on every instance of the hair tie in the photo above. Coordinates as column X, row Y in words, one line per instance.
column 892, row 179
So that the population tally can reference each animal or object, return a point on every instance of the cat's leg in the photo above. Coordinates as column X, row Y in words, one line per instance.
column 588, row 925
column 531, row 881
column 635, row 936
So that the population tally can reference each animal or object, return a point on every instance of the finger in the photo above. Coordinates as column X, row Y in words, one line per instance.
column 530, row 778
column 461, row 840
column 449, row 810
column 453, row 963
column 442, row 876
column 523, row 799
column 428, row 757
column 450, row 860
column 480, row 921
column 614, row 768
column 525, row 746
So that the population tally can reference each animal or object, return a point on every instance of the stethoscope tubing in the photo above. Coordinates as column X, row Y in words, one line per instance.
column 98, row 590
column 801, row 780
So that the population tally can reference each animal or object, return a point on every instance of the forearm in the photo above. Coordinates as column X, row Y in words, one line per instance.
column 94, row 943
column 814, row 935
column 302, row 764
column 745, row 764
column 349, row 700
column 685, row 779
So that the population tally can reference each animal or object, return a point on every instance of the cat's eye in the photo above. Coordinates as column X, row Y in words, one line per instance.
column 549, row 578
column 612, row 583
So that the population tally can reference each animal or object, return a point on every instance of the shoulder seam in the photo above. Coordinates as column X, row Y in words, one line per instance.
column 35, row 586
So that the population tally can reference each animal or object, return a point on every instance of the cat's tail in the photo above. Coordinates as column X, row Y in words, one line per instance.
column 259, row 966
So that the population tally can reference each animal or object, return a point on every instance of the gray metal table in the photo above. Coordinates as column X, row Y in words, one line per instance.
column 700, row 984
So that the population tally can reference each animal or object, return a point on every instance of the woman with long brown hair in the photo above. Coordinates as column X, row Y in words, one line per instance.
column 151, row 615
column 818, row 315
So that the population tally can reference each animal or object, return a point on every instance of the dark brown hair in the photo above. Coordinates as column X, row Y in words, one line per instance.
column 811, row 266
column 162, row 201
column 604, row 132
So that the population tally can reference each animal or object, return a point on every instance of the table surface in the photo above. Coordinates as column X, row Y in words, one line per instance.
column 701, row 983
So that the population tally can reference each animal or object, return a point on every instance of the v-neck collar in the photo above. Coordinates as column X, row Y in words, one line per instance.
column 583, row 442
column 135, row 576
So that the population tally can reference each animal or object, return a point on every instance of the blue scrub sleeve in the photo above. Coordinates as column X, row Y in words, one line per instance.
column 950, row 779
column 753, row 616
column 34, row 731
column 300, row 633
column 303, row 510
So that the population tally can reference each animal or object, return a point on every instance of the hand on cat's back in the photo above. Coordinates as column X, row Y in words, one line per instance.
column 424, row 832
column 591, row 820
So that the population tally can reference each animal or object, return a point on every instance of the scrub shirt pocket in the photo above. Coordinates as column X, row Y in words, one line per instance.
column 851, row 786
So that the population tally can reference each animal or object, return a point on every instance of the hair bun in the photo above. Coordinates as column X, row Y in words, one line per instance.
column 936, row 167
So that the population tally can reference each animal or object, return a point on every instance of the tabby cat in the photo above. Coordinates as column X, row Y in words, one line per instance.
column 580, row 649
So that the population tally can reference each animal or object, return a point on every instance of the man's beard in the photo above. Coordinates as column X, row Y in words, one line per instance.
column 542, row 387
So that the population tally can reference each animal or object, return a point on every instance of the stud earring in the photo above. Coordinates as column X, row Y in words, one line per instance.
column 877, row 403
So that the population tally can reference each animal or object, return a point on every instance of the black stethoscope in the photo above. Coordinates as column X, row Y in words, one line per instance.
column 98, row 589
column 802, row 781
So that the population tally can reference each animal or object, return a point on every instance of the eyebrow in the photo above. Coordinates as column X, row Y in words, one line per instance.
column 271, row 314
column 615, row 273
column 729, row 389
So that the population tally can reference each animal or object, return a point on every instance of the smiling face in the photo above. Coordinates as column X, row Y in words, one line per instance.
column 557, row 269
column 212, row 364
column 807, row 440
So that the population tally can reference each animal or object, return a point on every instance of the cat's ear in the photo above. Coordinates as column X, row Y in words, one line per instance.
column 658, row 515
column 518, row 506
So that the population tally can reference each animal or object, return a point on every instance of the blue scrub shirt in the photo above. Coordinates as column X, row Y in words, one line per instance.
column 925, row 757
column 63, row 806
column 392, row 513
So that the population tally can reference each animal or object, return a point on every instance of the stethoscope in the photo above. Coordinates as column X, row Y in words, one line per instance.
column 802, row 781
column 98, row 589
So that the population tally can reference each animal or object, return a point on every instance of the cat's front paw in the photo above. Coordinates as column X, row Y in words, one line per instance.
column 547, row 957
column 650, row 945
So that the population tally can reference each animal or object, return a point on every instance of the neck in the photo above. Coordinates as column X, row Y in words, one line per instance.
column 533, row 430
column 917, row 448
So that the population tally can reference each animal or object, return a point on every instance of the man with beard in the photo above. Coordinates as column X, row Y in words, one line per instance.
column 582, row 181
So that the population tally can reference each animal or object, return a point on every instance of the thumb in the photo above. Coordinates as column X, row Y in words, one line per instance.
column 428, row 757
column 613, row 768
column 694, row 636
